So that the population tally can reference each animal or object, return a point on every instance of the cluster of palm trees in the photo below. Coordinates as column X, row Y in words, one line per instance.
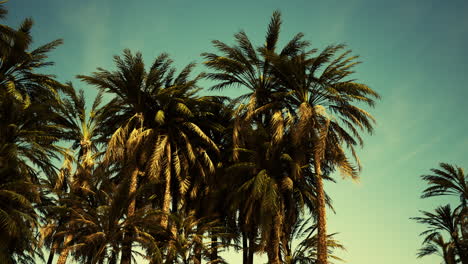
column 161, row 172
column 447, row 233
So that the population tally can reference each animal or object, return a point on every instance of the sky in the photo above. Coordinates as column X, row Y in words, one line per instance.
column 413, row 52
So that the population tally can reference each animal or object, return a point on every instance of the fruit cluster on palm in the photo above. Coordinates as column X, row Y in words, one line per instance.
column 447, row 233
column 159, row 171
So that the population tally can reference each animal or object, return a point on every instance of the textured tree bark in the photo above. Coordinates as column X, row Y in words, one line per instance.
column 51, row 255
column 64, row 253
column 167, row 194
column 214, row 248
column 113, row 258
column 273, row 251
column 463, row 245
column 321, row 221
column 245, row 249
column 198, row 254
column 251, row 248
column 461, row 252
column 285, row 242
column 127, row 246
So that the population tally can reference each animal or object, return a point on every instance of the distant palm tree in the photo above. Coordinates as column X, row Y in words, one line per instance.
column 449, row 180
column 188, row 239
column 444, row 219
column 306, row 251
column 83, row 130
column 436, row 245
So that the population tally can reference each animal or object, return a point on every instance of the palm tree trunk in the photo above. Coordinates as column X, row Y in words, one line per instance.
column 251, row 247
column 64, row 253
column 461, row 253
column 245, row 249
column 273, row 250
column 132, row 191
column 286, row 242
column 198, row 254
column 167, row 193
column 51, row 255
column 321, row 221
column 214, row 248
column 127, row 245
column 113, row 258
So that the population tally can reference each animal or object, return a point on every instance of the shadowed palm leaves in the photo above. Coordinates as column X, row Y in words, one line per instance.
column 436, row 245
column 27, row 136
column 99, row 223
column 451, row 180
column 444, row 220
column 82, row 130
column 188, row 239
column 306, row 251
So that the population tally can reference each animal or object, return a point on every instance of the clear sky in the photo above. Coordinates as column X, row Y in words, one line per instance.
column 414, row 54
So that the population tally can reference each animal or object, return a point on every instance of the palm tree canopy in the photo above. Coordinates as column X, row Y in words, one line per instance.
column 448, row 180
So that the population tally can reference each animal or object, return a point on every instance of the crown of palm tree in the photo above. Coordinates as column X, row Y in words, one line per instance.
column 449, row 180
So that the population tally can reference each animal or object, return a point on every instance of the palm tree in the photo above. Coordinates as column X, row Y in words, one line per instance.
column 53, row 188
column 28, row 135
column 245, row 66
column 450, row 180
column 306, row 251
column 155, row 133
column 324, row 102
column 436, row 245
column 188, row 239
column 444, row 219
column 99, row 223
column 83, row 130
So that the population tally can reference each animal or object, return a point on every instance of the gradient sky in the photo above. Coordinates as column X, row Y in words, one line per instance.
column 414, row 54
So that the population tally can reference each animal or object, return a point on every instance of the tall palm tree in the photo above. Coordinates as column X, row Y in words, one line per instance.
column 243, row 65
column 155, row 133
column 326, row 104
column 82, row 129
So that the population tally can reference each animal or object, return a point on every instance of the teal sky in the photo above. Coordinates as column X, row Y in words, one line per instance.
column 414, row 54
